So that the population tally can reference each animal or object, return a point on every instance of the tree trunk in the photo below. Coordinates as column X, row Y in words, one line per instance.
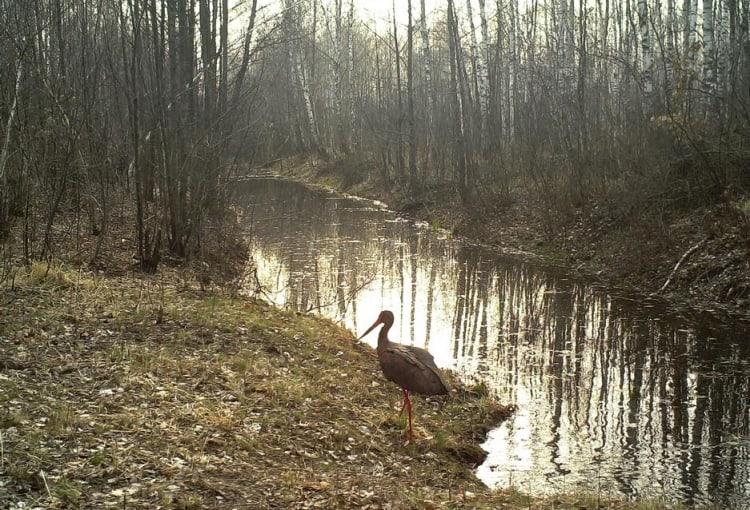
column 427, row 62
column 709, row 76
column 399, row 114
column 245, row 62
column 295, row 50
column 512, row 89
column 475, row 70
column 670, row 44
column 350, row 75
column 582, row 137
column 224, row 45
column 456, row 104
column 498, row 77
column 484, row 81
column 746, row 37
column 410, row 93
column 645, row 24
column 208, row 60
column 5, row 193
column 381, row 108
column 339, row 78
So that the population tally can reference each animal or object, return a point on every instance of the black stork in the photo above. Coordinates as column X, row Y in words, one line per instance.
column 412, row 368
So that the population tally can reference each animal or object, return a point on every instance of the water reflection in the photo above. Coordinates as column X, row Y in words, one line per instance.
column 613, row 396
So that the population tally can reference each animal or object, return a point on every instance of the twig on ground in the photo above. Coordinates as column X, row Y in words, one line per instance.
column 678, row 265
column 347, row 299
column 46, row 485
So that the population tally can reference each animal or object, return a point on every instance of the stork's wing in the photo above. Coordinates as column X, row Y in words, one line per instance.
column 409, row 355
column 418, row 358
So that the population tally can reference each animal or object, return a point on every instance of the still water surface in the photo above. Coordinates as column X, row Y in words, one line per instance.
column 614, row 396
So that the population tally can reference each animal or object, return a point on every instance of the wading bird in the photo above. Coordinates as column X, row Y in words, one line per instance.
column 412, row 368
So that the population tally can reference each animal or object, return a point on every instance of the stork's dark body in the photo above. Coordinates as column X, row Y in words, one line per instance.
column 410, row 367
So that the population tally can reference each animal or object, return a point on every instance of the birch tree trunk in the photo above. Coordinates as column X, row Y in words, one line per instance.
column 224, row 45
column 690, row 8
column 709, row 76
column 399, row 114
column 478, row 74
column 582, row 137
column 427, row 63
column 456, row 104
column 645, row 24
column 670, row 43
column 338, row 76
column 245, row 62
column 484, row 82
column 294, row 45
column 4, row 190
column 562, row 45
column 350, row 75
column 499, row 75
column 631, row 36
column 513, row 71
column 692, row 34
column 208, row 60
column 410, row 93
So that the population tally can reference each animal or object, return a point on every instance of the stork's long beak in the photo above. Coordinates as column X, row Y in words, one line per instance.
column 374, row 325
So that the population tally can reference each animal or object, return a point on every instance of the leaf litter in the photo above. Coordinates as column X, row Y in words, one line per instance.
column 115, row 395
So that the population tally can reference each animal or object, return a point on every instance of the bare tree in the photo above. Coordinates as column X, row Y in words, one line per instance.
column 150, row 100
column 410, row 96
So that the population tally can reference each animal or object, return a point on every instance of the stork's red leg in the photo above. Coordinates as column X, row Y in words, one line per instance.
column 403, row 402
column 408, row 408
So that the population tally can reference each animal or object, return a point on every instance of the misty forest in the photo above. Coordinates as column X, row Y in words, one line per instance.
column 375, row 254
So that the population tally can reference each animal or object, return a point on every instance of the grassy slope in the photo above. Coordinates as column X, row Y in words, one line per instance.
column 147, row 390
column 637, row 251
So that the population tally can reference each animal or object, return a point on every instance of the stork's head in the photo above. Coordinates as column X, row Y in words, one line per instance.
column 385, row 317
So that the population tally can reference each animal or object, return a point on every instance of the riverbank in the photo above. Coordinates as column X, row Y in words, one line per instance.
column 148, row 391
column 125, row 390
column 694, row 260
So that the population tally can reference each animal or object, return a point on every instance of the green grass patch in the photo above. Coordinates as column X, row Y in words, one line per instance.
column 47, row 275
column 61, row 419
column 68, row 492
column 744, row 207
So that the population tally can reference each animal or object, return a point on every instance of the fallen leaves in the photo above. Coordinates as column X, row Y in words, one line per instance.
column 316, row 486
column 218, row 405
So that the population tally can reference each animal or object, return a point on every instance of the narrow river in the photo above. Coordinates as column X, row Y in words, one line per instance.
column 614, row 395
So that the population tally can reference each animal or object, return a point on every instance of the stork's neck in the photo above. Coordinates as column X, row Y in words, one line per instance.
column 383, row 335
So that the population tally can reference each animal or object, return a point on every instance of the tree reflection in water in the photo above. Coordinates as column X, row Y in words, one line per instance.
column 613, row 394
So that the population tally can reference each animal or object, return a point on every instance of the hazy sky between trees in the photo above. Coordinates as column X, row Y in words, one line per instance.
column 378, row 11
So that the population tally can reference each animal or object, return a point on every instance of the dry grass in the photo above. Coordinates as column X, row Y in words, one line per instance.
column 47, row 275
column 204, row 400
